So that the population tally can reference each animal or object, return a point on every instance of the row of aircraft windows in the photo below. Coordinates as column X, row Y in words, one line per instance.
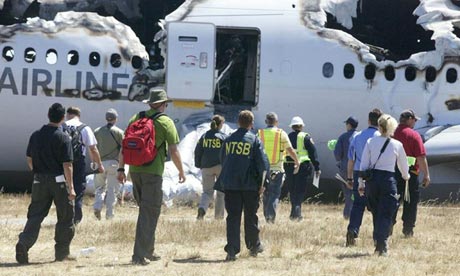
column 389, row 72
column 72, row 57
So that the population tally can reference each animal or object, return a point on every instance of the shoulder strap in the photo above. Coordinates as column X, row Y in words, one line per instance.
column 156, row 115
column 80, row 127
column 381, row 151
column 111, row 133
column 141, row 114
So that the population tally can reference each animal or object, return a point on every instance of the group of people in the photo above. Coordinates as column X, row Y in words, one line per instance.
column 245, row 166
column 381, row 164
column 242, row 167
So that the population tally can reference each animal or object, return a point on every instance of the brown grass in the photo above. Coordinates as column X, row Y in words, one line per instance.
column 314, row 246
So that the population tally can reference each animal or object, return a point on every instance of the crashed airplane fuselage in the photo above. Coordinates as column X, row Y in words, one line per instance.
column 79, row 59
column 279, row 56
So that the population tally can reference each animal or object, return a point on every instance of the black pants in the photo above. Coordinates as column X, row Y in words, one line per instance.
column 45, row 190
column 297, row 186
column 409, row 215
column 79, row 183
column 235, row 203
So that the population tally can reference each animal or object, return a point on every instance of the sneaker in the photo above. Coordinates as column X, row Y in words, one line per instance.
column 140, row 261
column 351, row 239
column 201, row 213
column 408, row 232
column 154, row 257
column 22, row 256
column 97, row 214
column 254, row 251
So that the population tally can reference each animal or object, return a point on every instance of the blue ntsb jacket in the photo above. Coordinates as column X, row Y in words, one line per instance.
column 243, row 162
column 207, row 149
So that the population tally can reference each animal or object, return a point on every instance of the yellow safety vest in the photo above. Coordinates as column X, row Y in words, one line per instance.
column 271, row 137
column 302, row 153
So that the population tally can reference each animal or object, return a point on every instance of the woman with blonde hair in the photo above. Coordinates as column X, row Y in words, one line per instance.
column 380, row 155
column 207, row 152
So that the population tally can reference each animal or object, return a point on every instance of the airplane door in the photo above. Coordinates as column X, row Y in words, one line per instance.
column 190, row 61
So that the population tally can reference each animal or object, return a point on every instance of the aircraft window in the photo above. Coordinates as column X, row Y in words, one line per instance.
column 390, row 73
column 136, row 62
column 115, row 60
column 348, row 71
column 410, row 73
column 451, row 75
column 94, row 59
column 369, row 71
column 430, row 74
column 29, row 55
column 328, row 69
column 51, row 56
column 72, row 57
column 8, row 53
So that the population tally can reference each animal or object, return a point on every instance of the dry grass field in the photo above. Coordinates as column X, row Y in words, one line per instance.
column 314, row 246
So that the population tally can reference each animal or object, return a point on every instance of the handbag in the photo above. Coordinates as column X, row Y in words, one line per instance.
column 368, row 173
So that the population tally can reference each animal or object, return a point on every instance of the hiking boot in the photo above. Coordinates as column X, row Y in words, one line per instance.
column 254, row 251
column 97, row 214
column 201, row 213
column 153, row 257
column 408, row 232
column 139, row 261
column 351, row 239
column 22, row 256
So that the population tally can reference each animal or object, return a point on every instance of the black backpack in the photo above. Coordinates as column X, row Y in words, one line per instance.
column 76, row 140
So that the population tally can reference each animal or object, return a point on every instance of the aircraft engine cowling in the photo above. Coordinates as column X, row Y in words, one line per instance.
column 444, row 146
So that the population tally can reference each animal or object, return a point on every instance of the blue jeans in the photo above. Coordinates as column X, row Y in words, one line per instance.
column 358, row 207
column 271, row 195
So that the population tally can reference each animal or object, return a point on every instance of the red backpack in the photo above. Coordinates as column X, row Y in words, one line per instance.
column 139, row 142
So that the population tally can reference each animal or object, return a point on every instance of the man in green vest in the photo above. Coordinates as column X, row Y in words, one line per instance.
column 276, row 145
column 307, row 155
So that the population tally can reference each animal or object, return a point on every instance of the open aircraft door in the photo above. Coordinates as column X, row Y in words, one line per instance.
column 190, row 61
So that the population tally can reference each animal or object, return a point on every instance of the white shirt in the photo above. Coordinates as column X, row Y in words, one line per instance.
column 393, row 154
column 87, row 134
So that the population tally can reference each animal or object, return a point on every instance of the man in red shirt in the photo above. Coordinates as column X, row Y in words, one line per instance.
column 413, row 145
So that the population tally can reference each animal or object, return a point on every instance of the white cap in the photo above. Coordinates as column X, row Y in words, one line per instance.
column 296, row 121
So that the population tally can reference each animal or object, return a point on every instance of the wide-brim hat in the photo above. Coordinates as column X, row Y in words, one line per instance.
column 157, row 96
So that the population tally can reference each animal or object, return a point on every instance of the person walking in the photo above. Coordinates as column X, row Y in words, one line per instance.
column 207, row 159
column 49, row 157
column 341, row 156
column 308, row 157
column 414, row 147
column 109, row 138
column 147, row 179
column 244, row 166
column 380, row 155
column 276, row 144
column 355, row 151
column 88, row 141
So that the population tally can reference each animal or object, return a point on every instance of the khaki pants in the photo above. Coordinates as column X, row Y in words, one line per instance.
column 210, row 176
column 107, row 188
column 149, row 196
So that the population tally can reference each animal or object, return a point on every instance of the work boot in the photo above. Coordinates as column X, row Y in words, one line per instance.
column 201, row 213
column 22, row 257
column 256, row 250
column 351, row 239
column 153, row 257
column 67, row 257
column 408, row 232
column 97, row 214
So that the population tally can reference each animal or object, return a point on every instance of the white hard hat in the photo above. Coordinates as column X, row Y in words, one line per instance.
column 296, row 121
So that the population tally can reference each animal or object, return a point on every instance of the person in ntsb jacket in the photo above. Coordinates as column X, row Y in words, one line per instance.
column 207, row 159
column 244, row 165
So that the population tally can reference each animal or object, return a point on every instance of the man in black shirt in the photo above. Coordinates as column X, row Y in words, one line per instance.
column 49, row 156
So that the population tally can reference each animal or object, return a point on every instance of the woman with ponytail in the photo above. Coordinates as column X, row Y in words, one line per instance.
column 379, row 157
column 207, row 152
